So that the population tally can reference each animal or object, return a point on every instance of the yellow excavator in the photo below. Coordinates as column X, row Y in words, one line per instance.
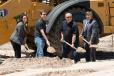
column 11, row 9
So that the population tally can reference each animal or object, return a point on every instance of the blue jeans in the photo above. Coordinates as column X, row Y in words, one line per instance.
column 40, row 46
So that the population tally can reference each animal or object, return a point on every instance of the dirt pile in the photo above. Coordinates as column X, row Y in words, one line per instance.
column 54, row 66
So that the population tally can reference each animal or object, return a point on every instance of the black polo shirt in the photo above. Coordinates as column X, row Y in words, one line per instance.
column 68, row 30
column 40, row 25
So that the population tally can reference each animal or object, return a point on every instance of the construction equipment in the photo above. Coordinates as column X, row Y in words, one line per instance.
column 10, row 12
column 11, row 9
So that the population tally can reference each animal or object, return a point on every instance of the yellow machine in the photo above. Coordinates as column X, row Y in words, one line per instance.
column 10, row 9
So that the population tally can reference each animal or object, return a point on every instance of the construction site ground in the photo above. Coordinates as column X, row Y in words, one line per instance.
column 54, row 66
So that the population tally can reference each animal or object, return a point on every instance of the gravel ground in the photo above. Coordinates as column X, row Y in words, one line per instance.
column 106, row 44
column 54, row 66
column 64, row 67
column 13, row 65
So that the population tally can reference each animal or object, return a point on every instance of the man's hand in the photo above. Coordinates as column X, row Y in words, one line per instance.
column 81, row 36
column 62, row 39
column 48, row 43
column 72, row 45
column 90, row 43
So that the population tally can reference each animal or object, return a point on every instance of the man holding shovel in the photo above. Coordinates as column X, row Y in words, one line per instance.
column 90, row 35
column 40, row 34
column 69, row 33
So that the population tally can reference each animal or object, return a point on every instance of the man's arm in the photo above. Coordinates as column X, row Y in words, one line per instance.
column 61, row 31
column 45, row 37
column 62, row 38
column 75, row 33
column 73, row 39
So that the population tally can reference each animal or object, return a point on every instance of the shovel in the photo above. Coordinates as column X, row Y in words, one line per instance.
column 51, row 49
column 68, row 44
column 91, row 45
column 79, row 49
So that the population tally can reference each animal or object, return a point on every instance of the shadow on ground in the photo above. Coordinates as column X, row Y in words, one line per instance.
column 104, row 55
column 100, row 55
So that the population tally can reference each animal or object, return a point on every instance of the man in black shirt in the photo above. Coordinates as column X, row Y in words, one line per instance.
column 69, row 33
column 40, row 35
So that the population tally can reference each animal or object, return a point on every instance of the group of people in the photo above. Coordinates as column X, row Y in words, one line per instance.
column 68, row 31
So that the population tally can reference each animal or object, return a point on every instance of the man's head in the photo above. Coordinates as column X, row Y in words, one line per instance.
column 89, row 15
column 68, row 17
column 43, row 15
column 25, row 18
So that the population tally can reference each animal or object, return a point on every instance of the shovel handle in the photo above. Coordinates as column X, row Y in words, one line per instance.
column 26, row 47
column 68, row 44
column 89, row 43
column 85, row 40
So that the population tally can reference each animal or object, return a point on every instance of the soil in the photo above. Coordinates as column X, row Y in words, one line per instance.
column 54, row 66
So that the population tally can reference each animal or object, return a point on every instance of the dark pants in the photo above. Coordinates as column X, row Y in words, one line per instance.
column 17, row 49
column 90, row 53
column 67, row 49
